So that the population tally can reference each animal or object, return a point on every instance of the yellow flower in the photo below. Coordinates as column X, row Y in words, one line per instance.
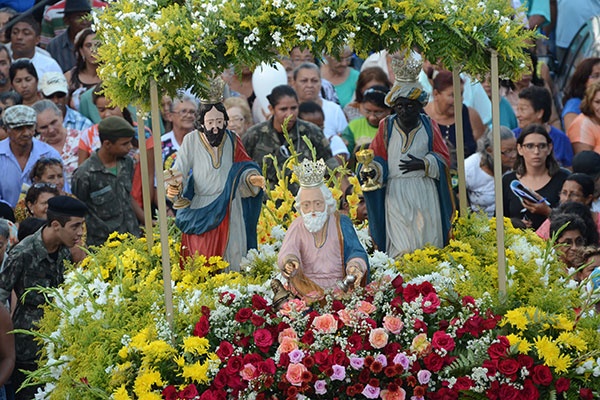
column 195, row 345
column 144, row 382
column 158, row 350
column 563, row 363
column 123, row 352
column 516, row 319
column 113, row 244
column 141, row 339
column 121, row 393
column 547, row 350
column 563, row 323
column 196, row 372
column 572, row 340
column 523, row 345
column 112, row 235
column 180, row 361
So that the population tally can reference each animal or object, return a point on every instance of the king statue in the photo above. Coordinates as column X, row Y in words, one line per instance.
column 413, row 204
column 224, row 187
column 321, row 246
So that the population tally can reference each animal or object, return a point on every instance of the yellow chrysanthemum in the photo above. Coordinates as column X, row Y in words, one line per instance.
column 157, row 350
column 195, row 372
column 195, row 345
column 141, row 339
column 145, row 380
column 572, row 340
column 121, row 393
column 563, row 323
column 547, row 350
column 123, row 352
column 563, row 363
column 516, row 318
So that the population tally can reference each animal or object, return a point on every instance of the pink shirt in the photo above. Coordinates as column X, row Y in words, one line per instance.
column 544, row 229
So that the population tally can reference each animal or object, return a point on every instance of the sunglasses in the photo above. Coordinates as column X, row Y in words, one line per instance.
column 41, row 185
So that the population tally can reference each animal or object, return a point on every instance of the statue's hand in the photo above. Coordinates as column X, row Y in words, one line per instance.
column 414, row 164
column 354, row 270
column 257, row 180
column 174, row 190
column 290, row 268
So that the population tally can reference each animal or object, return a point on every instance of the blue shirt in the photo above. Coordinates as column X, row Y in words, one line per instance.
column 13, row 177
column 563, row 151
column 571, row 106
column 75, row 120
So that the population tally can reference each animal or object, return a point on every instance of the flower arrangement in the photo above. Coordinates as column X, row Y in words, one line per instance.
column 184, row 43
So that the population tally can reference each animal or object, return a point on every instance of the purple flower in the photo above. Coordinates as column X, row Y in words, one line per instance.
column 357, row 362
column 339, row 373
column 296, row 356
column 382, row 360
column 320, row 387
column 371, row 392
column 423, row 376
column 402, row 360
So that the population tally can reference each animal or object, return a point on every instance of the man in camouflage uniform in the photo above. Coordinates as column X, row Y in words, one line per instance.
column 267, row 137
column 103, row 182
column 38, row 261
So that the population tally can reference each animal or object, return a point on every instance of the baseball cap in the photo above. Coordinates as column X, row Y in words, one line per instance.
column 53, row 82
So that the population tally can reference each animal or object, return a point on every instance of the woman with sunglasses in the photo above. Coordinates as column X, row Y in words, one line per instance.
column 537, row 169
column 24, row 80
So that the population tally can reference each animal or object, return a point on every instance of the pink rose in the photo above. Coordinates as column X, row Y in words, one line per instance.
column 420, row 344
column 400, row 394
column 248, row 372
column 288, row 332
column 346, row 316
column 287, row 345
column 293, row 306
column 294, row 373
column 393, row 324
column 430, row 303
column 325, row 323
column 378, row 338
column 366, row 307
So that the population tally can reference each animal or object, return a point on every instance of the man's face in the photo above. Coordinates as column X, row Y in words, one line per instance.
column 214, row 126
column 340, row 66
column 408, row 112
column 183, row 116
column 526, row 115
column 70, row 234
column 50, row 127
column 77, row 21
column 311, row 200
column 23, row 39
column 307, row 84
column 121, row 147
column 21, row 136
column 4, row 67
column 60, row 99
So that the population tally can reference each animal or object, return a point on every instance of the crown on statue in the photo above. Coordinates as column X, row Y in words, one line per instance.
column 310, row 173
column 215, row 91
column 407, row 67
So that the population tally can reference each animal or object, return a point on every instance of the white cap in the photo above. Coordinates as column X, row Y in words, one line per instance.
column 53, row 82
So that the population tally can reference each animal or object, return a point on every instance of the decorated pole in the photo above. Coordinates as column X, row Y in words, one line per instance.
column 162, row 205
column 460, row 142
column 145, row 180
column 498, row 175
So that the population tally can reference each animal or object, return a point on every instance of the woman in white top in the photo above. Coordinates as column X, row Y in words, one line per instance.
column 479, row 169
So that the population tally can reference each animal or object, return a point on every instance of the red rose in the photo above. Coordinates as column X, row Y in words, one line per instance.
column 170, row 393
column 468, row 300
column 322, row 358
column 397, row 284
column 355, row 342
column 267, row 366
column 263, row 338
column 284, row 360
column 252, row 358
column 586, row 394
column 205, row 311
column 411, row 292
column 189, row 392
column 259, row 303
column 235, row 382
column 562, row 385
column 496, row 350
column 494, row 391
column 430, row 303
column 530, row 391
column 227, row 298
column 243, row 315
column 202, row 327
column 504, row 341
column 525, row 361
column 234, row 364
column 225, row 350
column 443, row 325
column 463, row 383
column 508, row 367
column 338, row 305
column 508, row 392
column 257, row 320
column 441, row 340
column 433, row 362
column 473, row 325
column 391, row 349
column 420, row 325
column 220, row 380
column 491, row 366
column 542, row 375
column 397, row 302
column 308, row 337
column 489, row 323
column 208, row 395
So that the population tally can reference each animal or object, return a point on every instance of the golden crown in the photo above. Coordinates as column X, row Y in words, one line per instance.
column 407, row 67
column 310, row 173
column 215, row 91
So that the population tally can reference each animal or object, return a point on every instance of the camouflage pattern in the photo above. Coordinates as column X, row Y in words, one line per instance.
column 29, row 265
column 108, row 198
column 262, row 139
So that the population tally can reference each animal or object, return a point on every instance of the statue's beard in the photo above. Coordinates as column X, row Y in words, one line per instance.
column 314, row 222
column 214, row 137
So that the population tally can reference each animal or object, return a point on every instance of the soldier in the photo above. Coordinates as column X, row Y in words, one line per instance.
column 38, row 261
column 103, row 182
column 267, row 137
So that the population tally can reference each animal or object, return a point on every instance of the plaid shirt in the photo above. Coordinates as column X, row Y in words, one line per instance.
column 76, row 120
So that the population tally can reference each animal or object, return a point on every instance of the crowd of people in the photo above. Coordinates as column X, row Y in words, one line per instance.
column 69, row 158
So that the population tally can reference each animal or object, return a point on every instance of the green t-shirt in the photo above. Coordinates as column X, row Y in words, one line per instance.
column 358, row 132
column 346, row 89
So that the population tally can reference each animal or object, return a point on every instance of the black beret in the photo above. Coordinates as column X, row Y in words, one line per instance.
column 66, row 205
column 116, row 127
column 587, row 162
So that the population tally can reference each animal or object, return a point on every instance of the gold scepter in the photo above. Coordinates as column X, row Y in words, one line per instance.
column 174, row 177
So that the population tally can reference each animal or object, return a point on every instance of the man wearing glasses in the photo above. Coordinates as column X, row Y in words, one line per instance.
column 20, row 151
column 182, row 116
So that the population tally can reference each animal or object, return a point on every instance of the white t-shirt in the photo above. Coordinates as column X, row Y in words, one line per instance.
column 44, row 64
column 333, row 126
column 480, row 186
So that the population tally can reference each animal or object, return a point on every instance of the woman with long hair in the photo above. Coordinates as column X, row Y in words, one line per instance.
column 83, row 75
column 24, row 80
column 586, row 73
column 584, row 132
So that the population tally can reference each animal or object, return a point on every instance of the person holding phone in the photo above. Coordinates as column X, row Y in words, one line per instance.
column 536, row 169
